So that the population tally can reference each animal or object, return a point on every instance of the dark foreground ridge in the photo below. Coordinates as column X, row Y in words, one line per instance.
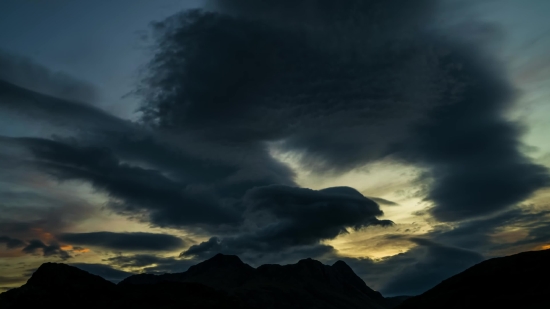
column 517, row 281
column 223, row 281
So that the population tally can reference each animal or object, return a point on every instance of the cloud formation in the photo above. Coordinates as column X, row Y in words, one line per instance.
column 341, row 86
column 124, row 241
column 25, row 73
column 11, row 243
column 138, row 189
column 279, row 218
column 52, row 249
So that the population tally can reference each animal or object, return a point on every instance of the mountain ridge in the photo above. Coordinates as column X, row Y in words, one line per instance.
column 308, row 279
column 517, row 281
column 223, row 281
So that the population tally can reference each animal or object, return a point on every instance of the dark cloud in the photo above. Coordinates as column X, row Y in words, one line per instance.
column 296, row 216
column 197, row 170
column 284, row 85
column 11, row 243
column 53, row 249
column 341, row 85
column 25, row 73
column 326, row 13
column 530, row 226
column 167, row 202
column 472, row 150
column 281, row 217
column 55, row 111
column 125, row 241
column 268, row 67
column 104, row 271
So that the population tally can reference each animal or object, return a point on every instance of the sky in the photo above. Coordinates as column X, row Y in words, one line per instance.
column 406, row 138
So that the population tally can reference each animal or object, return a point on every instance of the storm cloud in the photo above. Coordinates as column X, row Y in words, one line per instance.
column 137, row 188
column 188, row 172
column 336, row 92
column 289, row 218
column 276, row 74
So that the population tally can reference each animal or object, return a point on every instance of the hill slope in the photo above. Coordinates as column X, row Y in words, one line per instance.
column 517, row 281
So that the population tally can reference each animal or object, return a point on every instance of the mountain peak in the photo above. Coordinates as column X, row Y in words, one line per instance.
column 309, row 261
column 341, row 265
column 54, row 274
column 225, row 259
column 220, row 262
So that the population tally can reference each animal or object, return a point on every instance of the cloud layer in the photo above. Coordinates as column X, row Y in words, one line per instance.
column 125, row 241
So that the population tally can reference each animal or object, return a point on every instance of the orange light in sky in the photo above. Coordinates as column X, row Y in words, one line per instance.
column 545, row 247
column 77, row 249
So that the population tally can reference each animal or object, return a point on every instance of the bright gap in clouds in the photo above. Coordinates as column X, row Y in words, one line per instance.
column 392, row 182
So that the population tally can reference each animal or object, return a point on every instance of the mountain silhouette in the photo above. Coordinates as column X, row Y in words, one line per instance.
column 517, row 281
column 307, row 284
column 63, row 286
column 223, row 281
